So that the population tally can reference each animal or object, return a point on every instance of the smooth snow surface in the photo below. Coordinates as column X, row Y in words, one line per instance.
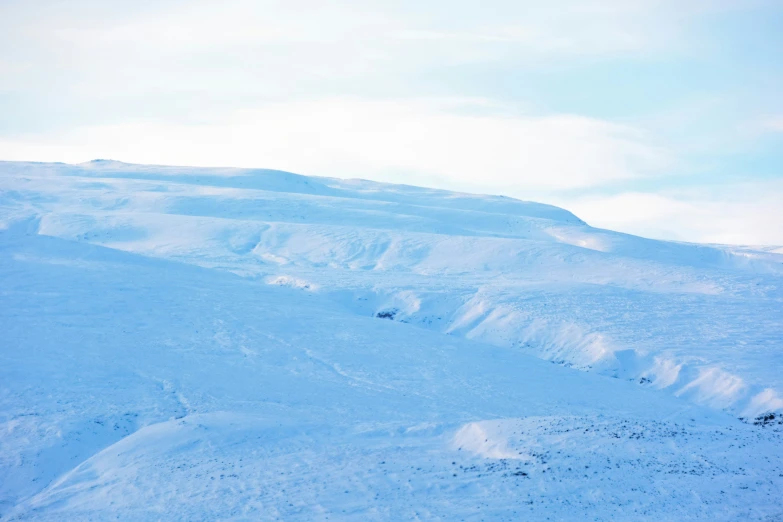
column 217, row 344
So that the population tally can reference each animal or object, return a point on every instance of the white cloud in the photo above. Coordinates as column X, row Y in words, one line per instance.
column 747, row 214
column 450, row 143
column 271, row 46
column 773, row 124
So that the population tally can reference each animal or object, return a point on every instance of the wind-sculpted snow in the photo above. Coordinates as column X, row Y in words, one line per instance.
column 188, row 344
column 703, row 322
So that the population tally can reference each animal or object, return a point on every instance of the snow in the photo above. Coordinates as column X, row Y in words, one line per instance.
column 191, row 344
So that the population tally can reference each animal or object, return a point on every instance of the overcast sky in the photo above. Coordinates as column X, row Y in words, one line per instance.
column 657, row 117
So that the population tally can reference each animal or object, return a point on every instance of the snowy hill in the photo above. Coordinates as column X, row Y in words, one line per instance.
column 186, row 343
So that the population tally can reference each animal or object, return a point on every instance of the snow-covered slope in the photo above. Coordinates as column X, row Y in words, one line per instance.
column 214, row 344
column 704, row 322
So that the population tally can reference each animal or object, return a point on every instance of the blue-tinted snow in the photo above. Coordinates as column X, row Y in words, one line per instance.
column 204, row 344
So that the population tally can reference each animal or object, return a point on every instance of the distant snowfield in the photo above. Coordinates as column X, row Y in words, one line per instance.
column 226, row 344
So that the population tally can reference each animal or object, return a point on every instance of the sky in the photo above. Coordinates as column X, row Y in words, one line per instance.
column 662, row 118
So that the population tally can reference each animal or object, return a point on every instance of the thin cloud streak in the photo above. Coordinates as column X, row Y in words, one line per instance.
column 416, row 142
column 745, row 214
